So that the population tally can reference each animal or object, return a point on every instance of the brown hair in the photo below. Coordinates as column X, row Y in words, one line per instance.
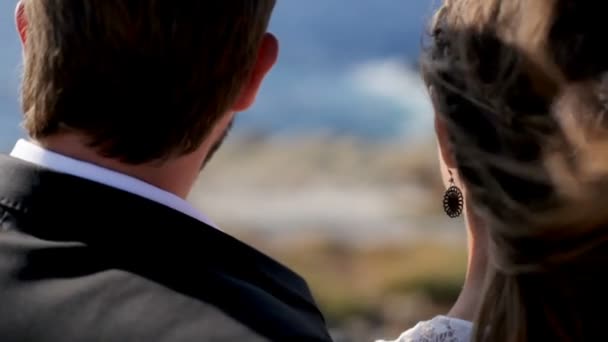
column 143, row 79
column 523, row 88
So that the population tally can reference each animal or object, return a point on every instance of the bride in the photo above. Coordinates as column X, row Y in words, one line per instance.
column 520, row 90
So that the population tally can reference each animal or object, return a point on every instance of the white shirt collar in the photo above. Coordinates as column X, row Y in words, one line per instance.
column 30, row 152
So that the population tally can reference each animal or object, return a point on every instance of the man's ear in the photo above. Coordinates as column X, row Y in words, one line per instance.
column 267, row 57
column 21, row 22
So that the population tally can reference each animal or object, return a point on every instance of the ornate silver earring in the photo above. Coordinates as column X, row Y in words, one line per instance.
column 453, row 201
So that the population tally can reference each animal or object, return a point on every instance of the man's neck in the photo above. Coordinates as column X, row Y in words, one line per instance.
column 176, row 176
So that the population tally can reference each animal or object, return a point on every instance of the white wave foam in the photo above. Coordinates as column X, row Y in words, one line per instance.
column 395, row 82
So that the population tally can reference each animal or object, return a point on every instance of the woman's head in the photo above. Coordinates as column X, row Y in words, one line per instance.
column 521, row 91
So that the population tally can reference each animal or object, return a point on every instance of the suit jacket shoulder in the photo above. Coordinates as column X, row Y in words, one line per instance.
column 80, row 261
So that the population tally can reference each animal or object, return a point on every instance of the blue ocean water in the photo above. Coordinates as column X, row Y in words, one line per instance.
column 346, row 68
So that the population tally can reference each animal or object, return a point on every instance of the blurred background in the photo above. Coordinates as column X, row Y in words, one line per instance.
column 334, row 172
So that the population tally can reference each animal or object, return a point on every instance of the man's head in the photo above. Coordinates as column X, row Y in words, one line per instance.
column 142, row 80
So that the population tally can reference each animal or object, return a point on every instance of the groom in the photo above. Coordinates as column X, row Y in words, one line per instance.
column 124, row 103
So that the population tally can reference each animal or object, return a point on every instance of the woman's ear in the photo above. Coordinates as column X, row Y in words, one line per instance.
column 443, row 136
column 21, row 22
column 443, row 140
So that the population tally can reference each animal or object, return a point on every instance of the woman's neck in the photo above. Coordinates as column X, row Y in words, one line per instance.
column 470, row 296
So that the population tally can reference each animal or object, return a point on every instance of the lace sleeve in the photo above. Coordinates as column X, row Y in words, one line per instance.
column 439, row 329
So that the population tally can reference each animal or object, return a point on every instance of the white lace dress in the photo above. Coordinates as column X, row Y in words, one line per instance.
column 439, row 329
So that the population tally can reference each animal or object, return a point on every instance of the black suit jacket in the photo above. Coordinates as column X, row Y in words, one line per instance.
column 80, row 261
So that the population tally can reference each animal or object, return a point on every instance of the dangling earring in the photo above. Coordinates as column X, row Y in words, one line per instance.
column 453, row 200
